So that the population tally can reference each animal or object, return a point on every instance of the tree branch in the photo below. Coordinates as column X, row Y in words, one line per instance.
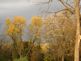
column 67, row 6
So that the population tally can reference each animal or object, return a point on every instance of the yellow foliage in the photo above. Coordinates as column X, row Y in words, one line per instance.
column 15, row 25
column 19, row 20
column 11, row 28
column 17, row 30
column 45, row 47
column 8, row 21
column 36, row 21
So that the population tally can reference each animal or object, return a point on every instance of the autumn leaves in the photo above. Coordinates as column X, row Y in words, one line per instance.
column 36, row 21
column 15, row 25
column 18, row 23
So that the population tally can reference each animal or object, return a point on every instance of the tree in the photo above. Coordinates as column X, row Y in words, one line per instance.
column 59, row 32
column 35, row 29
column 77, row 41
column 35, row 38
column 75, row 11
column 15, row 30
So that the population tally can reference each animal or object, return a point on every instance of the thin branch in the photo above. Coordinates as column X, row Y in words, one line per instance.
column 60, row 11
column 66, row 6
column 69, row 5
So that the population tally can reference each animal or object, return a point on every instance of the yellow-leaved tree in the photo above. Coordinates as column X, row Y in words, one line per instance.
column 35, row 29
column 36, row 26
column 36, row 21
column 15, row 29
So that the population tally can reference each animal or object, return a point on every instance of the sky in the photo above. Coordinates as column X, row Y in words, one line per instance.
column 26, row 8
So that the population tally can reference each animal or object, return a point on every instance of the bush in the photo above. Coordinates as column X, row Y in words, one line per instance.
column 21, row 59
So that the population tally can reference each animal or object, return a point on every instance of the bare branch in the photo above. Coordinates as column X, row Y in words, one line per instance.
column 60, row 11
column 67, row 6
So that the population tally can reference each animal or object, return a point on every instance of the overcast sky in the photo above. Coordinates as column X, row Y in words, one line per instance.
column 23, row 7
column 26, row 8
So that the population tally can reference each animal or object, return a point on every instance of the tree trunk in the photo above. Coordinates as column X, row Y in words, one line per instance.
column 77, row 41
column 62, row 58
